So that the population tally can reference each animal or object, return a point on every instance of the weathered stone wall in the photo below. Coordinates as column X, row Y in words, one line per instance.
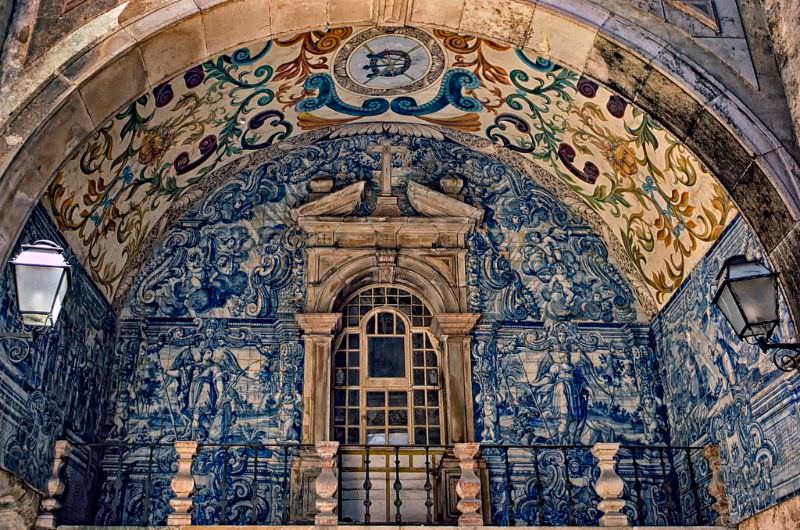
column 783, row 16
column 784, row 516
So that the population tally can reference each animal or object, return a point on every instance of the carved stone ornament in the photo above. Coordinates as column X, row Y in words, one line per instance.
column 326, row 484
column 183, row 485
column 609, row 486
column 469, row 485
column 716, row 486
column 55, row 487
column 18, row 502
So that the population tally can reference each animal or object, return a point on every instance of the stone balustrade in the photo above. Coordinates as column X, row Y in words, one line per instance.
column 323, row 494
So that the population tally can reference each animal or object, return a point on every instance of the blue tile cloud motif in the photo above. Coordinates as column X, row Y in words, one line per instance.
column 54, row 385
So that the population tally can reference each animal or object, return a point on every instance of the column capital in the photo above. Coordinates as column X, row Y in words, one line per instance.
column 449, row 324
column 319, row 323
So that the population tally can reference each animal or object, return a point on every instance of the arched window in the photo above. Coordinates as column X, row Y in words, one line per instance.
column 386, row 384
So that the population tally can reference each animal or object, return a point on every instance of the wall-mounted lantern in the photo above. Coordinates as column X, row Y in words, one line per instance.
column 747, row 294
column 41, row 275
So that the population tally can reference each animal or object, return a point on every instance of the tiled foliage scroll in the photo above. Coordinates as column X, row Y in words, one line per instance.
column 658, row 200
column 721, row 390
column 53, row 387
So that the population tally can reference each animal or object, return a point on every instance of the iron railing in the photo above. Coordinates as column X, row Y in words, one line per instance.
column 116, row 484
column 553, row 485
column 390, row 484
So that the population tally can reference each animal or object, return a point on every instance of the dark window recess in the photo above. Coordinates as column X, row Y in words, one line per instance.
column 386, row 357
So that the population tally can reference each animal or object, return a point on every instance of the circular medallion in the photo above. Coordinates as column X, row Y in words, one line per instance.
column 385, row 62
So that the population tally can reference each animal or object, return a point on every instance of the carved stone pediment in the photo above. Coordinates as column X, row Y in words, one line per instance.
column 431, row 203
column 443, row 221
column 338, row 203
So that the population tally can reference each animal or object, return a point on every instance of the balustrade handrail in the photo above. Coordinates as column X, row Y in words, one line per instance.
column 628, row 474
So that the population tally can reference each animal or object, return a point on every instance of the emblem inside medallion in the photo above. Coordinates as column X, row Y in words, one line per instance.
column 379, row 62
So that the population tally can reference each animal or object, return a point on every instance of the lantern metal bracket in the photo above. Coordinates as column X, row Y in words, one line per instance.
column 786, row 362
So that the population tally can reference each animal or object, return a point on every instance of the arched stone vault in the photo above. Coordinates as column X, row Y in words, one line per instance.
column 147, row 48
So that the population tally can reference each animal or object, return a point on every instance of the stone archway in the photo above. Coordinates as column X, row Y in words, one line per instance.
column 146, row 46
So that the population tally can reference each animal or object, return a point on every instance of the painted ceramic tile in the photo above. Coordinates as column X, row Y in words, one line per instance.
column 53, row 385
column 728, row 388
column 658, row 200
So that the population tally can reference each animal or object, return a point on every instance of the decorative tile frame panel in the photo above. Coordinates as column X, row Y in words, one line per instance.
column 56, row 384
column 656, row 197
column 731, row 394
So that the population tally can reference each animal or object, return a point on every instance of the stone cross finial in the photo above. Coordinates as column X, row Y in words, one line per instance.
column 326, row 484
column 387, row 203
column 183, row 485
column 469, row 485
column 55, row 487
column 609, row 486
column 716, row 486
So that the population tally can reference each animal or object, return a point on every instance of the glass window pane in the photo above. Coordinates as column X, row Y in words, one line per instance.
column 419, row 436
column 419, row 397
column 385, row 323
column 419, row 358
column 353, row 359
column 430, row 359
column 352, row 416
column 339, row 359
column 400, row 327
column 352, row 378
column 338, row 416
column 434, row 437
column 375, row 399
column 417, row 341
column 419, row 416
column 386, row 357
column 419, row 377
column 338, row 398
column 398, row 417
column 352, row 436
column 398, row 437
column 338, row 435
column 433, row 400
column 433, row 416
column 433, row 377
column 339, row 377
column 398, row 399
column 376, row 417
column 375, row 437
column 352, row 397
column 352, row 341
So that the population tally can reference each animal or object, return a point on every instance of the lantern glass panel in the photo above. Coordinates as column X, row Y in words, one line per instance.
column 40, row 293
column 727, row 304
column 758, row 298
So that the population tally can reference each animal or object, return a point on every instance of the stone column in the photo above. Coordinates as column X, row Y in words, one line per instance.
column 716, row 487
column 55, row 487
column 609, row 486
column 326, row 484
column 183, row 485
column 469, row 485
column 318, row 331
column 453, row 332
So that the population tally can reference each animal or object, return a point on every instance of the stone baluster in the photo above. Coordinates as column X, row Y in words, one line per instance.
column 55, row 487
column 468, row 487
column 182, row 485
column 609, row 486
column 326, row 484
column 716, row 486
